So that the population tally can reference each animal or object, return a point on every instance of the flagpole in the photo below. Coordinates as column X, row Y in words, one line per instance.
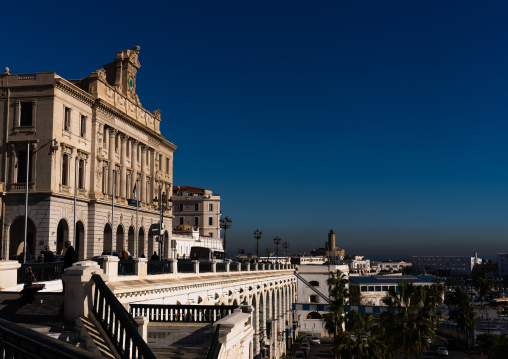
column 26, row 195
column 112, row 211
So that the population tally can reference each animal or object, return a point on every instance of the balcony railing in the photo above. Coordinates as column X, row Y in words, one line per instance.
column 205, row 267
column 40, row 272
column 182, row 313
column 185, row 267
column 127, row 267
column 158, row 267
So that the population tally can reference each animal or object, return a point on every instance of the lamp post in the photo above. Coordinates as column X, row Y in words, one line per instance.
column 268, row 250
column 277, row 240
column 225, row 223
column 285, row 245
column 257, row 236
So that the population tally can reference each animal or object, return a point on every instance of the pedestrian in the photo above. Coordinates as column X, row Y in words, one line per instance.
column 124, row 255
column 154, row 257
column 70, row 255
column 48, row 255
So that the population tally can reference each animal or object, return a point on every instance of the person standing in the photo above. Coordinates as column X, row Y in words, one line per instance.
column 70, row 255
column 48, row 255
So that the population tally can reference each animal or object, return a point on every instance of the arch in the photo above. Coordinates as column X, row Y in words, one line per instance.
column 151, row 248
column 62, row 235
column 106, row 244
column 131, row 242
column 314, row 315
column 80, row 239
column 314, row 283
column 119, row 237
column 17, row 236
column 141, row 243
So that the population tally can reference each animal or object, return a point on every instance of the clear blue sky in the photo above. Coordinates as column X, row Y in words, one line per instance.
column 385, row 121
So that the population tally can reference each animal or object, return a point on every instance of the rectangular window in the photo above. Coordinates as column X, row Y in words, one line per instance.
column 65, row 170
column 26, row 114
column 196, row 221
column 83, row 126
column 210, row 234
column 210, row 207
column 196, row 207
column 67, row 121
column 21, row 167
column 127, row 149
column 81, row 175
column 181, row 220
column 160, row 163
column 167, row 165
column 180, row 207
column 210, row 221
column 363, row 288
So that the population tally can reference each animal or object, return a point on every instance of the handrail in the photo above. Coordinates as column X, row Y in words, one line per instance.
column 215, row 346
column 118, row 323
column 182, row 313
column 312, row 287
column 41, row 271
column 17, row 341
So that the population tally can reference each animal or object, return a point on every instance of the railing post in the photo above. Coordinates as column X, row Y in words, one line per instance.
column 78, row 289
column 174, row 265
column 9, row 277
column 142, row 323
column 227, row 266
column 256, row 266
column 196, row 267
column 111, row 267
column 141, row 268
column 214, row 267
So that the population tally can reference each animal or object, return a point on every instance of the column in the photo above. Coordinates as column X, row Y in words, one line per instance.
column 123, row 161
column 112, row 134
column 142, row 188
column 134, row 164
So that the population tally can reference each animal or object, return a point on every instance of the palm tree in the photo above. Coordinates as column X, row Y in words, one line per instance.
column 409, row 319
column 363, row 339
column 483, row 282
column 339, row 296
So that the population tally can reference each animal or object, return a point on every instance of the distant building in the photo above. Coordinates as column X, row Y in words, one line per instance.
column 357, row 265
column 198, row 208
column 502, row 264
column 445, row 265
column 393, row 266
column 370, row 290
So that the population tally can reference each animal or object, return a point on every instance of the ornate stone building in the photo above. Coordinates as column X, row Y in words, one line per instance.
column 85, row 139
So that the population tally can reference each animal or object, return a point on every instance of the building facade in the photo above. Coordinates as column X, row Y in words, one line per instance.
column 197, row 208
column 444, row 265
column 88, row 150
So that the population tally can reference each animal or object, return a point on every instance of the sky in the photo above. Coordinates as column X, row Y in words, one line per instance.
column 385, row 121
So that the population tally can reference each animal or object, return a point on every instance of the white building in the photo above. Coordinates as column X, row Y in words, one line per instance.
column 357, row 265
column 310, row 307
column 447, row 265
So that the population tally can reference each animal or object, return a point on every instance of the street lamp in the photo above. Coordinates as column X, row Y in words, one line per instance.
column 225, row 223
column 277, row 240
column 268, row 250
column 257, row 236
column 285, row 245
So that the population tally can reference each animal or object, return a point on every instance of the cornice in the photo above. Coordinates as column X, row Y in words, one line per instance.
column 74, row 91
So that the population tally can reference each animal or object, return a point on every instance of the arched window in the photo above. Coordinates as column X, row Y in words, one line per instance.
column 81, row 174
column 314, row 315
column 314, row 283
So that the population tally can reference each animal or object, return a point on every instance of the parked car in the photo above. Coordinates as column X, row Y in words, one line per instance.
column 305, row 347
column 299, row 355
column 315, row 340
column 442, row 351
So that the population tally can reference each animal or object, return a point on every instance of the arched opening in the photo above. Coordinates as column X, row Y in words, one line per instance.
column 79, row 241
column 106, row 245
column 17, row 236
column 119, row 238
column 131, row 242
column 141, row 243
column 62, row 235
column 314, row 315
column 151, row 248
column 314, row 283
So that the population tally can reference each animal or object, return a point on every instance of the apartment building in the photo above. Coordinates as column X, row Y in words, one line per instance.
column 445, row 265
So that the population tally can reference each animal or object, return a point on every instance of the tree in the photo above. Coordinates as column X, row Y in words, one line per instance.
column 339, row 297
column 482, row 282
column 363, row 338
column 464, row 314
column 408, row 322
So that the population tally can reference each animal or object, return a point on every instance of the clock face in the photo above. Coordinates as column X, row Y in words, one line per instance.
column 131, row 83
